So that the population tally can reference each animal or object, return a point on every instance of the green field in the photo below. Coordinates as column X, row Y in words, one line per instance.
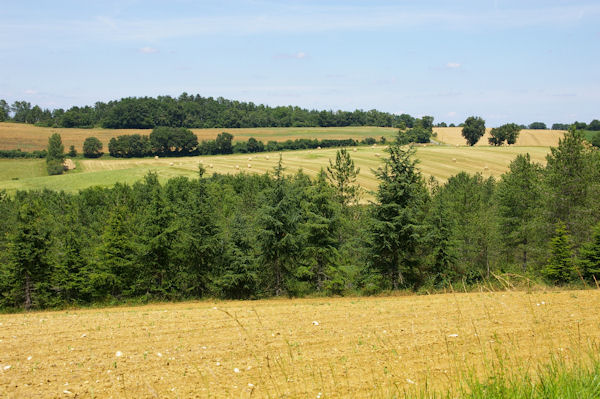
column 439, row 161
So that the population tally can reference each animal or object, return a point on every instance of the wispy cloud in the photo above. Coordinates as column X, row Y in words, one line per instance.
column 299, row 18
column 148, row 50
column 453, row 65
column 294, row 56
column 30, row 91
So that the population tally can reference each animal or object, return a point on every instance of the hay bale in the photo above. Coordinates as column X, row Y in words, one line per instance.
column 156, row 157
column 69, row 164
column 249, row 158
column 354, row 149
column 267, row 157
column 453, row 159
column 374, row 146
column 318, row 148
column 377, row 154
column 249, row 166
column 237, row 166
column 171, row 164
column 210, row 166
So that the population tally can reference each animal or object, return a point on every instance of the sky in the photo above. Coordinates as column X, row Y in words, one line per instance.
column 506, row 61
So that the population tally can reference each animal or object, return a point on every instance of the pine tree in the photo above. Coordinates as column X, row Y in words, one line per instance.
column 342, row 175
column 321, row 231
column 398, row 229
column 278, row 238
column 560, row 266
column 589, row 256
column 30, row 264
column 56, row 155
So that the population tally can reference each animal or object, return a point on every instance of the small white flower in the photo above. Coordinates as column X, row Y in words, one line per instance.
column 67, row 392
column 83, row 335
column 315, row 323
column 250, row 385
column 453, row 335
column 218, row 364
column 410, row 381
column 543, row 303
column 119, row 354
column 236, row 370
column 29, row 358
column 159, row 354
column 7, row 367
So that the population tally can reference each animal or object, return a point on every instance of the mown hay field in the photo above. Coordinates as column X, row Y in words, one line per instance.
column 300, row 348
column 30, row 138
column 438, row 161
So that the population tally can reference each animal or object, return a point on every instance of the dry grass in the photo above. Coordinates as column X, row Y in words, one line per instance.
column 527, row 138
column 30, row 137
column 361, row 347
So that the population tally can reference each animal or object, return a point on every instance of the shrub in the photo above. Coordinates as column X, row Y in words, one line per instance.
column 92, row 148
column 55, row 167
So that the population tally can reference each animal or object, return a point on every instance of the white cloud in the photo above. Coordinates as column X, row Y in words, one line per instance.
column 296, row 56
column 30, row 91
column 148, row 50
column 453, row 65
column 451, row 114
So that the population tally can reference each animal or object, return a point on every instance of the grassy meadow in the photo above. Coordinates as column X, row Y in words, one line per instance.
column 401, row 346
column 438, row 161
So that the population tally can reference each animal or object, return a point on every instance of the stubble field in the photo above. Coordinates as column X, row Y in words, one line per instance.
column 301, row 348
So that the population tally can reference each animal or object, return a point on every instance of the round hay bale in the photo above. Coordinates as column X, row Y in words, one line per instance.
column 237, row 166
column 156, row 157
column 318, row 148
column 267, row 157
column 171, row 164
column 210, row 166
column 249, row 166
column 69, row 164
column 453, row 159
column 485, row 167
column 249, row 158
column 377, row 154
column 354, row 149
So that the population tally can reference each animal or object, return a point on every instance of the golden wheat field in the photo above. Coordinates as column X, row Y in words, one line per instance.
column 300, row 348
column 30, row 138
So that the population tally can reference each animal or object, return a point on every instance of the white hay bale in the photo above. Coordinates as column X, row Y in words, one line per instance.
column 249, row 158
column 267, row 157
column 354, row 149
column 453, row 159
column 377, row 154
column 249, row 166
column 156, row 157
column 210, row 166
column 68, row 164
column 237, row 166
column 374, row 146
column 485, row 167
column 318, row 148
column 171, row 164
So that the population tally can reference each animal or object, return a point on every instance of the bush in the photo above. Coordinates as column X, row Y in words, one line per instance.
column 92, row 148
column 55, row 167
column 72, row 152
column 596, row 140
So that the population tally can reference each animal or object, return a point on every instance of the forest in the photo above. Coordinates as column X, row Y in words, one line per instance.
column 252, row 236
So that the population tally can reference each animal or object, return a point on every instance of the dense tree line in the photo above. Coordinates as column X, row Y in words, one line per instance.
column 193, row 111
column 166, row 141
column 252, row 236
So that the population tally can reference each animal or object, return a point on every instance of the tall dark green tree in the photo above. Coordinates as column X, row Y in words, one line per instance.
column 92, row 147
column 589, row 256
column 518, row 197
column 560, row 268
column 30, row 262
column 473, row 129
column 398, row 230
column 278, row 237
column 56, row 155
column 321, row 231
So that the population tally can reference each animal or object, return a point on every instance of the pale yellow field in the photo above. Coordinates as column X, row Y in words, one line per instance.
column 29, row 137
column 301, row 348
column 527, row 137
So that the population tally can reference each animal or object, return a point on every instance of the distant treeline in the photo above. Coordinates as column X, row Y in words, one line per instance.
column 192, row 112
column 167, row 141
column 253, row 236
column 22, row 154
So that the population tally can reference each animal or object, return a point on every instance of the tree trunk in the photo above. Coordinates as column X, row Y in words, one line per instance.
column 27, row 292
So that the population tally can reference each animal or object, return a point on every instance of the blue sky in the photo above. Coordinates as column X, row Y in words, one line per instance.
column 507, row 61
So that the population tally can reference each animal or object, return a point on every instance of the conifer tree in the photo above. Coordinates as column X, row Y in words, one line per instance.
column 560, row 266
column 397, row 229
column 342, row 174
column 589, row 256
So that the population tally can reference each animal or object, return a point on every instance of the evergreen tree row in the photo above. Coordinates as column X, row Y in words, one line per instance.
column 253, row 236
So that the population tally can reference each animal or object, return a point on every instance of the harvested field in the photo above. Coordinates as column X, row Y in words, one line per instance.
column 439, row 161
column 30, row 137
column 527, row 137
column 340, row 347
